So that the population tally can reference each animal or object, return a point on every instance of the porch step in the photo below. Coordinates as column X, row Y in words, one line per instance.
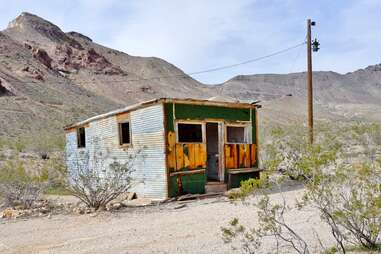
column 215, row 187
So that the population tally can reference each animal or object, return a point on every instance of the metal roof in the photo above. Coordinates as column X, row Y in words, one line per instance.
column 212, row 102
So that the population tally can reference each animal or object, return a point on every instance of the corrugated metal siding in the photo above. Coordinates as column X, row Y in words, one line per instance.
column 147, row 126
column 148, row 145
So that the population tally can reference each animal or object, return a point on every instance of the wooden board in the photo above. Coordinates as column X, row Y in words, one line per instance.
column 235, row 152
column 179, row 157
column 171, row 151
column 190, row 156
column 253, row 154
column 239, row 155
column 73, row 129
column 122, row 117
column 202, row 156
column 244, row 155
column 231, row 156
column 186, row 156
column 227, row 156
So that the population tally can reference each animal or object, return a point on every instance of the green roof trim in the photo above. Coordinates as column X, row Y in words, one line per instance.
column 201, row 112
column 168, row 107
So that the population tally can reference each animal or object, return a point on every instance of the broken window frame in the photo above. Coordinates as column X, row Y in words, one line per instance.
column 79, row 139
column 245, row 133
column 203, row 131
column 121, row 133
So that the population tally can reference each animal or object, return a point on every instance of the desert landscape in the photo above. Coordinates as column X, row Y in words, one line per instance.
column 51, row 78
column 189, row 227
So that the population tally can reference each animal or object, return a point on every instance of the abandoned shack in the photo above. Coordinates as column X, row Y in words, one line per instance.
column 182, row 145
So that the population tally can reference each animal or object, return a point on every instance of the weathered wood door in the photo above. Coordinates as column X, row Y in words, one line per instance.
column 212, row 147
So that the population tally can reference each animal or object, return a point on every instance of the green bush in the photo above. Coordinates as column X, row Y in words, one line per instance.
column 18, row 187
column 341, row 173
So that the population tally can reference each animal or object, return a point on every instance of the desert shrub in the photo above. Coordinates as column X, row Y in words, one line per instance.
column 247, row 187
column 3, row 143
column 44, row 144
column 347, row 189
column 349, row 201
column 54, row 171
column 19, row 145
column 246, row 240
column 290, row 152
column 271, row 221
column 343, row 185
column 18, row 187
column 97, row 182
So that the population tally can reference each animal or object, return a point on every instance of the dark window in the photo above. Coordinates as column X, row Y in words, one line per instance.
column 189, row 132
column 81, row 137
column 124, row 133
column 235, row 134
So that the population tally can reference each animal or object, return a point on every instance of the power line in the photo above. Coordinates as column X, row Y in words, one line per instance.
column 247, row 61
column 187, row 75
column 294, row 60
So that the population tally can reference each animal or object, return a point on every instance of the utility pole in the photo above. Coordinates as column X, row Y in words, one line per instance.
column 315, row 44
column 309, row 84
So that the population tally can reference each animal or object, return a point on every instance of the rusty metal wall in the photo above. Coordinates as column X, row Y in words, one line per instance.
column 147, row 147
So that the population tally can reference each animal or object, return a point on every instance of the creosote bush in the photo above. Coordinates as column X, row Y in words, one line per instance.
column 349, row 201
column 97, row 181
column 341, row 173
column 19, row 187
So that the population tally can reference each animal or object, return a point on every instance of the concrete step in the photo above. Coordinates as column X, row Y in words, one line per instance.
column 215, row 187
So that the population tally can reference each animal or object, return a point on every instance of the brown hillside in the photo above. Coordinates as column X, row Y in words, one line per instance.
column 49, row 78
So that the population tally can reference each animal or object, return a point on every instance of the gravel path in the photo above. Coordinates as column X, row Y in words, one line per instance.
column 194, row 228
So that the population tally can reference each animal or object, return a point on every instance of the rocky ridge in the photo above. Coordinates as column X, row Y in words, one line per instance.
column 49, row 78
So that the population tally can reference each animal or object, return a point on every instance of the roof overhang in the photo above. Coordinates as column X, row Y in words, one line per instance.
column 165, row 100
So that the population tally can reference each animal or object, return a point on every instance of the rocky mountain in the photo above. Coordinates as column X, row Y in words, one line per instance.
column 351, row 96
column 49, row 78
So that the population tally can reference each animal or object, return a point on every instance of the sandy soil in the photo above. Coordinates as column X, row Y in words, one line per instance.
column 194, row 228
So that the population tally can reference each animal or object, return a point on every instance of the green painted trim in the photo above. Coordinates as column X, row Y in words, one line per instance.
column 192, row 184
column 236, row 179
column 253, row 126
column 173, row 190
column 169, row 117
column 201, row 112
column 254, row 132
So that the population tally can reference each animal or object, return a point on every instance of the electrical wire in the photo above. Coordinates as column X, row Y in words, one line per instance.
column 294, row 61
column 248, row 61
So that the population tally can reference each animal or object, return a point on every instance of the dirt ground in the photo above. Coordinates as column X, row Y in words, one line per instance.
column 194, row 228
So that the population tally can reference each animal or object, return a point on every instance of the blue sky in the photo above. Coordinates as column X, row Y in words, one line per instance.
column 203, row 34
